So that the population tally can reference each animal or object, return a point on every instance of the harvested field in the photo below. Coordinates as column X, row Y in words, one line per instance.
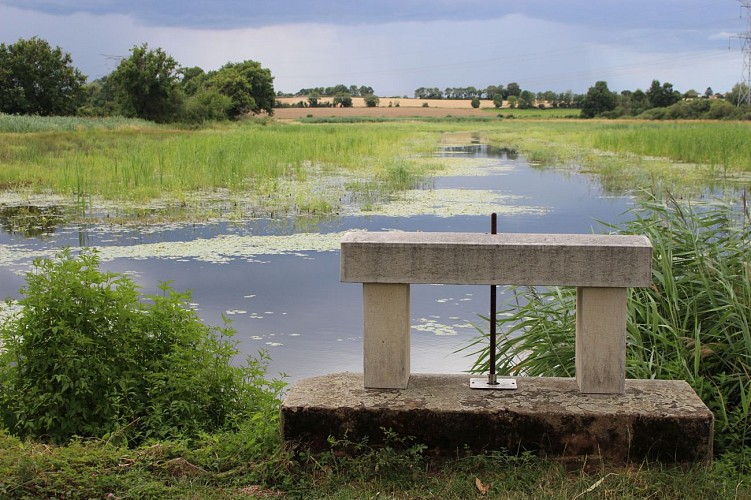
column 400, row 107
column 381, row 111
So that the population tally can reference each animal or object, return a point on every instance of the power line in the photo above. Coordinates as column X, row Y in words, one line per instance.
column 744, row 96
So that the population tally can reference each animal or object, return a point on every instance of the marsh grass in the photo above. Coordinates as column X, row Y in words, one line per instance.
column 30, row 123
column 692, row 324
column 131, row 161
column 143, row 164
column 628, row 156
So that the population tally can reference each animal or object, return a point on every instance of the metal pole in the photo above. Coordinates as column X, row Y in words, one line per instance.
column 492, row 378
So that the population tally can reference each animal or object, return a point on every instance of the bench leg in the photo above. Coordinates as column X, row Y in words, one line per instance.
column 601, row 340
column 386, row 335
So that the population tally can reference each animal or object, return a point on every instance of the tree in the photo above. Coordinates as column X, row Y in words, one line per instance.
column 36, row 79
column 498, row 100
column 147, row 85
column 738, row 95
column 526, row 99
column 99, row 98
column 513, row 89
column 371, row 101
column 192, row 79
column 475, row 102
column 250, row 86
column 662, row 96
column 495, row 90
column 343, row 99
column 599, row 99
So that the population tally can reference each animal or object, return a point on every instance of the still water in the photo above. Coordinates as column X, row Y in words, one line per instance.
column 291, row 303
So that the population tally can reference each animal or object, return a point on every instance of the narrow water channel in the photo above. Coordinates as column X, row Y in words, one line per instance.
column 292, row 303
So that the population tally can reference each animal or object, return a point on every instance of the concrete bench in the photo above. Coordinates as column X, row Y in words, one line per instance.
column 602, row 267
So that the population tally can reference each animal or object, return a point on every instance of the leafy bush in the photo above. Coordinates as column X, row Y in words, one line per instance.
column 371, row 101
column 693, row 323
column 86, row 357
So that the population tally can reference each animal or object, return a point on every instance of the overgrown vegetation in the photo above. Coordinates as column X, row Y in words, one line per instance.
column 224, row 466
column 187, row 438
column 692, row 324
column 141, row 164
column 86, row 356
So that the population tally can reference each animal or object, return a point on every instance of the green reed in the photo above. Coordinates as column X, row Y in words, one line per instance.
column 143, row 163
column 693, row 323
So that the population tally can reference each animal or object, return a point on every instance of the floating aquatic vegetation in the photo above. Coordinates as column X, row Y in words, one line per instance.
column 470, row 167
column 224, row 248
column 432, row 326
column 231, row 312
column 453, row 202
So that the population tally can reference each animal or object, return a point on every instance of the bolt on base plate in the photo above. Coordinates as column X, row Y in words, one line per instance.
column 504, row 384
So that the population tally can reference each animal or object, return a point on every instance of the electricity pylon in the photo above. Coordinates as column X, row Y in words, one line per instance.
column 744, row 97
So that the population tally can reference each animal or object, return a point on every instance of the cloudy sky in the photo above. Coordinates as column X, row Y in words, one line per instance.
column 396, row 46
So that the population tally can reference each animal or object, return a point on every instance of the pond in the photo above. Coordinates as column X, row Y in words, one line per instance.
column 278, row 279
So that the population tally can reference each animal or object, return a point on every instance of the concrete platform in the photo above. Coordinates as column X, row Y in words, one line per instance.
column 653, row 420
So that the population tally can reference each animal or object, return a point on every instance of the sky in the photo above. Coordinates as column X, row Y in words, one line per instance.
column 397, row 46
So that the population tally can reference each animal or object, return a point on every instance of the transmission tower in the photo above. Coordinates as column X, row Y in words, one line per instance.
column 745, row 38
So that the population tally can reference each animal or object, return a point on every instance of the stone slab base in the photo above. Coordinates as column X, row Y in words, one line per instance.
column 653, row 420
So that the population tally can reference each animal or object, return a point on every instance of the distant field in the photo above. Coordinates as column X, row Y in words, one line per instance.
column 386, row 112
column 401, row 102
column 398, row 107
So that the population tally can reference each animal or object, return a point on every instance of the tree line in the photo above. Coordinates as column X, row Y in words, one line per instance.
column 149, row 84
column 340, row 89
column 662, row 101
column 511, row 94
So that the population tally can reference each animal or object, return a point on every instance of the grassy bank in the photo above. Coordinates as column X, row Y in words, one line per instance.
column 313, row 167
column 280, row 162
column 221, row 466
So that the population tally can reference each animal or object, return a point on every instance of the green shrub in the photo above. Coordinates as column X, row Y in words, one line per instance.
column 371, row 101
column 693, row 323
column 86, row 357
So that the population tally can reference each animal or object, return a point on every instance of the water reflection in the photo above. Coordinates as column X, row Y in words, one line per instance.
column 294, row 304
column 478, row 151
column 30, row 221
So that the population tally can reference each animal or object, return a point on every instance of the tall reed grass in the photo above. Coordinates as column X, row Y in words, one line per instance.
column 145, row 163
column 719, row 144
column 692, row 324
column 31, row 123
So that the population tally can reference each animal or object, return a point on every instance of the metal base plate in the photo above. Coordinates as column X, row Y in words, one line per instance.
column 482, row 383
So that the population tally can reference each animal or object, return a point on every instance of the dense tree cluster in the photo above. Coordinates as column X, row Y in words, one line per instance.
column 661, row 101
column 149, row 84
column 340, row 89
column 511, row 95
column 36, row 79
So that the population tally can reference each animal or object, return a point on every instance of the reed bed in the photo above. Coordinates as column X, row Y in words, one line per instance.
column 145, row 163
column 692, row 324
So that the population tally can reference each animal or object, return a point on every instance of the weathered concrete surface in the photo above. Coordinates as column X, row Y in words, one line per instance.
column 593, row 260
column 654, row 419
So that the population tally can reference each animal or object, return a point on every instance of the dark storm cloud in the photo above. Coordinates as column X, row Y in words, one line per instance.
column 223, row 14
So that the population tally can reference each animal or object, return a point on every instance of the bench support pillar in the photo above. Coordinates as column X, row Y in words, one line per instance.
column 386, row 335
column 601, row 340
